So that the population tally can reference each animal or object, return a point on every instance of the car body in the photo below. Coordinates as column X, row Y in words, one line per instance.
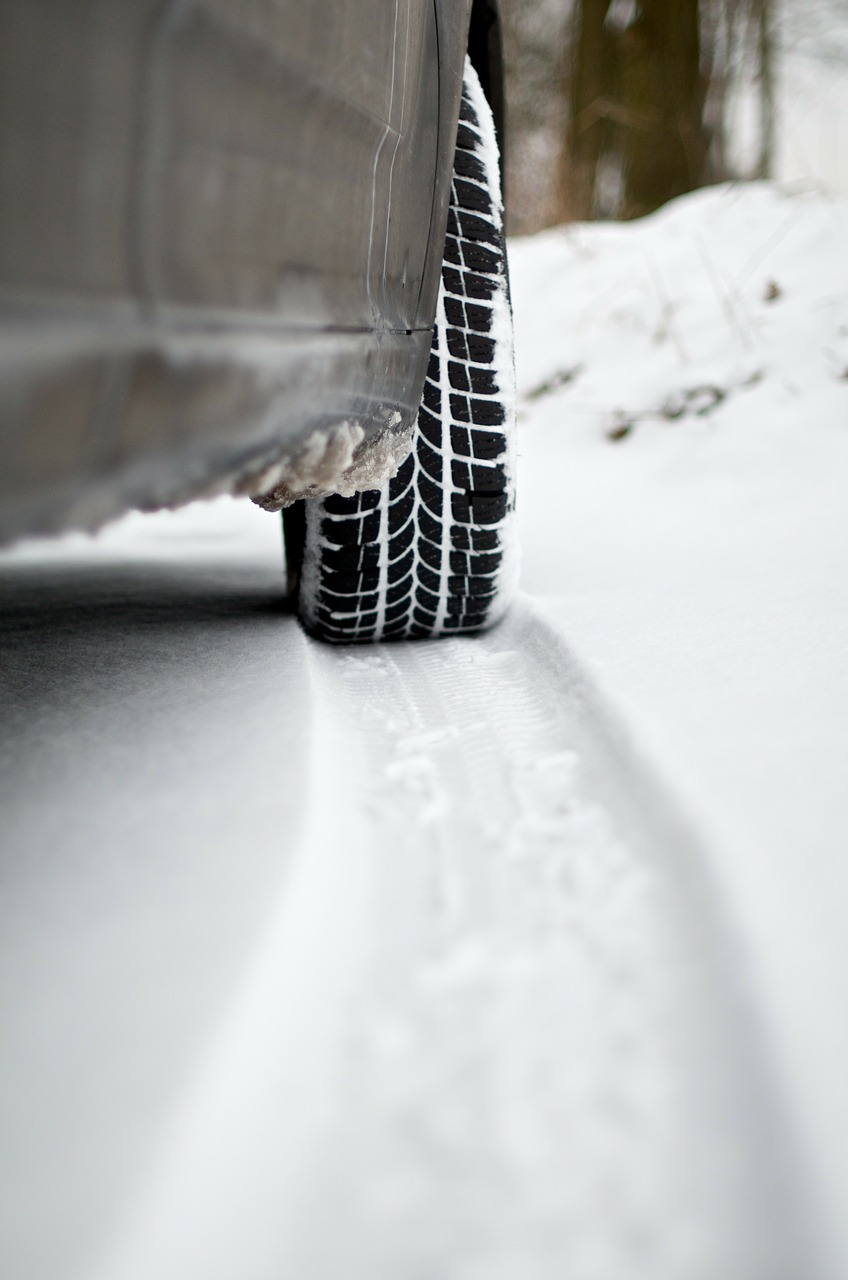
column 220, row 242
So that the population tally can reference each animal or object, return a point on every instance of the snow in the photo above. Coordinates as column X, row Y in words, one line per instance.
column 685, row 526
column 481, row 1032
column 812, row 94
column 519, row 956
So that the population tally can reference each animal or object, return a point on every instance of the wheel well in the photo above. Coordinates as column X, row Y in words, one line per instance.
column 485, row 52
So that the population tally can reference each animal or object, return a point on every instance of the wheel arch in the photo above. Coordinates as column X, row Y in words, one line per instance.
column 485, row 50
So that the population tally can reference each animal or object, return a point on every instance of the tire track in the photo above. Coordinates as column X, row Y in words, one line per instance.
column 555, row 1071
column 507, row 1039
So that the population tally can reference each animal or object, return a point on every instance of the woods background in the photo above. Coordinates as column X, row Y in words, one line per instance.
column 616, row 106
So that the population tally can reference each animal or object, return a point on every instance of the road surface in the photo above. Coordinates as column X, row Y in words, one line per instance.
column 391, row 963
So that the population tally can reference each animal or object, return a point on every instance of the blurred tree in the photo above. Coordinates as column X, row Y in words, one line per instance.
column 658, row 139
column 765, row 56
column 619, row 105
column 537, row 42
column 588, row 144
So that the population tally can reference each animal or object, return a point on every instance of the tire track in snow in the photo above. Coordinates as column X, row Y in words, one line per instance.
column 554, row 1072
column 493, row 1031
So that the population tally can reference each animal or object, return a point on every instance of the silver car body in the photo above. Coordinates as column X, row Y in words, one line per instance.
column 221, row 231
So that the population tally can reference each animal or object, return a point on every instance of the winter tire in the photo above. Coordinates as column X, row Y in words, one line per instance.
column 433, row 552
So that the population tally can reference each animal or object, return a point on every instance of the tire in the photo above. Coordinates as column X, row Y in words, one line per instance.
column 434, row 551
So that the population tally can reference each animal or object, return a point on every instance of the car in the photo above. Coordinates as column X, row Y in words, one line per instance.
column 259, row 249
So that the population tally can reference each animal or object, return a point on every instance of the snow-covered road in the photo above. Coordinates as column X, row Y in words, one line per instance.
column 385, row 963
column 510, row 958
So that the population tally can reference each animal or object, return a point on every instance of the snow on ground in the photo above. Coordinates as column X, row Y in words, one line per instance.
column 379, row 963
column 508, row 958
column 685, row 406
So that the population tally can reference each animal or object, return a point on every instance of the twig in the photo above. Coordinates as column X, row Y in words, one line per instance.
column 765, row 249
column 724, row 296
column 667, row 309
column 557, row 380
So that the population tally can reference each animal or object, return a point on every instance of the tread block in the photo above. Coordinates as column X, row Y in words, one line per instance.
column 477, row 286
column 486, row 413
column 431, row 495
column 465, row 563
column 478, row 317
column 430, row 527
column 403, row 479
column 432, row 397
column 479, row 508
column 452, row 252
column 470, row 166
column 429, row 426
column 397, row 615
column 455, row 312
column 458, row 345
column 399, row 590
column 348, row 584
column 459, row 375
column 471, row 346
column 341, row 604
column 338, row 506
column 460, row 438
column 400, row 510
column 469, row 539
column 401, row 608
column 478, row 258
column 430, row 553
column 467, row 139
column 480, row 349
column 467, row 608
column 486, row 445
column 484, row 382
column 453, row 282
column 473, row 588
column 399, row 568
column 478, row 479
column 474, row 226
column 471, row 195
column 351, row 558
column 402, row 540
column 351, row 532
column 467, row 112
column 430, row 460
column 430, row 579
column 460, row 408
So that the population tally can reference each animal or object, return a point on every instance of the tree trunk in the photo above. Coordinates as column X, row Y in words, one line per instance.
column 766, row 64
column 589, row 135
column 617, row 106
column 537, row 57
column 661, row 96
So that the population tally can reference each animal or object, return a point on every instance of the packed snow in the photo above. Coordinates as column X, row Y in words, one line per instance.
column 516, row 957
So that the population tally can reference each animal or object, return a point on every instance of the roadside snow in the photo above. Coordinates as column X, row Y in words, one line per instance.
column 685, row 457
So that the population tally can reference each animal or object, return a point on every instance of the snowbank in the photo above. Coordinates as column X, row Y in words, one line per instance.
column 684, row 385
